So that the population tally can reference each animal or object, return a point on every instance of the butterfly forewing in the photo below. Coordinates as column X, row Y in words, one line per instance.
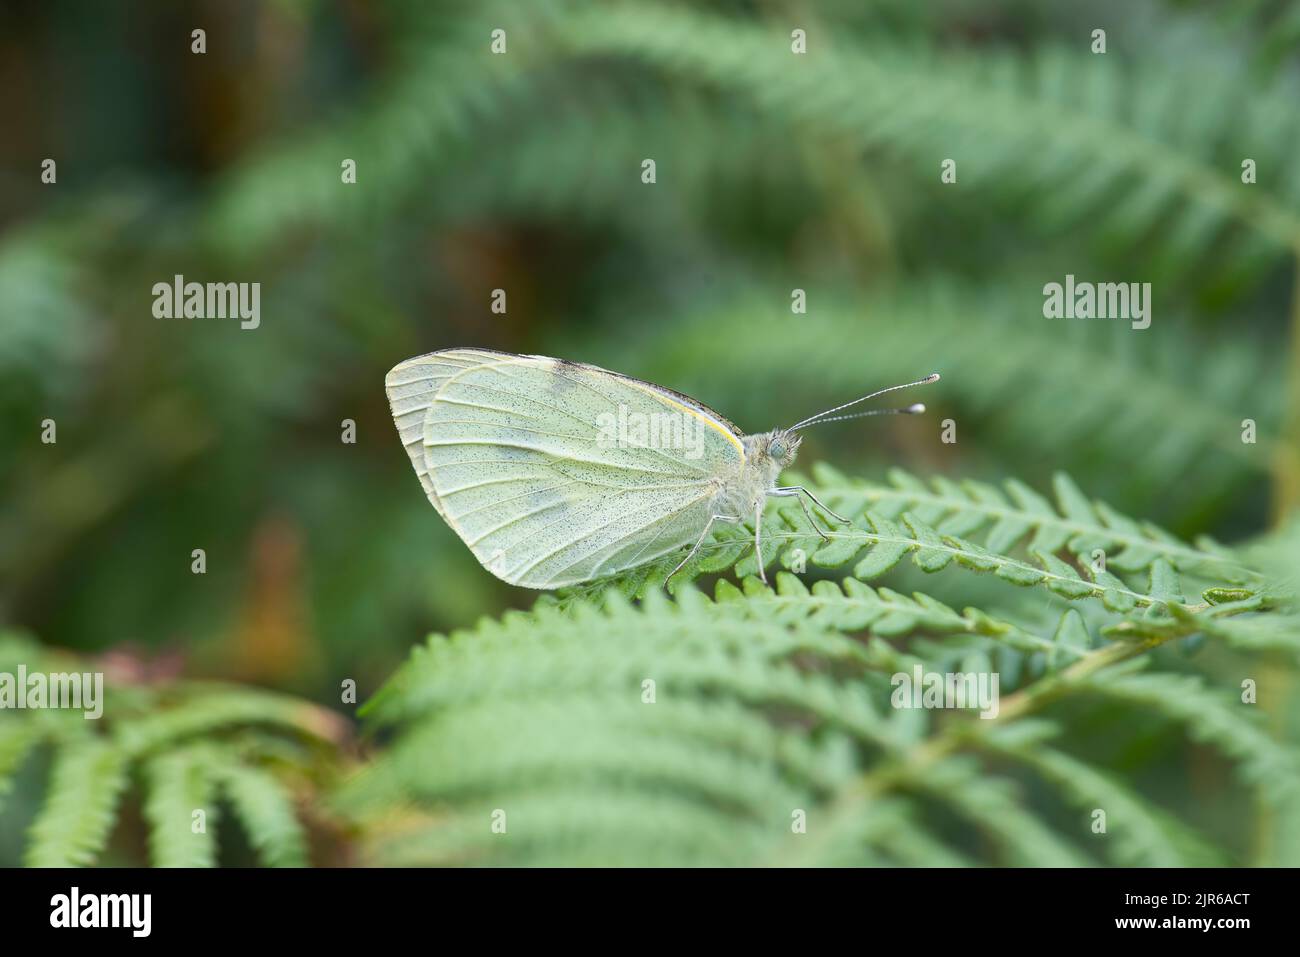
column 411, row 386
column 554, row 472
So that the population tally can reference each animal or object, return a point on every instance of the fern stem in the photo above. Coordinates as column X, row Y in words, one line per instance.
column 1026, row 568
column 1173, row 551
column 911, row 766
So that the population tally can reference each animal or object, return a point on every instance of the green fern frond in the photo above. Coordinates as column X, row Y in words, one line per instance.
column 588, row 826
column 1235, row 729
column 543, row 742
column 447, row 86
column 266, row 810
column 74, row 825
column 991, row 804
column 17, row 739
column 850, row 605
column 210, row 708
column 741, row 658
column 1120, row 135
column 1074, row 522
column 903, row 838
column 1146, row 837
column 1019, row 125
column 178, row 784
column 875, row 544
column 188, row 745
column 1253, row 623
column 767, row 717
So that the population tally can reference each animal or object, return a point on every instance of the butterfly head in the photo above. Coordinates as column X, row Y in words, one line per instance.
column 782, row 447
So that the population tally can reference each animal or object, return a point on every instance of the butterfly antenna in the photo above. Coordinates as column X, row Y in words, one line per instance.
column 821, row 417
column 915, row 409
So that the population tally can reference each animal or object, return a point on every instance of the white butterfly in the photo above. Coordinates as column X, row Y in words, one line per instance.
column 555, row 472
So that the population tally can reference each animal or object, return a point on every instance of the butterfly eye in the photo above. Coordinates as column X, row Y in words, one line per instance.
column 777, row 449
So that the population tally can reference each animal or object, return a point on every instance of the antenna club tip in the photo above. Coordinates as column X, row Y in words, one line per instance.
column 916, row 409
column 932, row 377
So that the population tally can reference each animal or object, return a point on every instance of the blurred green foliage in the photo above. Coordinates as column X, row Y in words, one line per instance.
column 522, row 172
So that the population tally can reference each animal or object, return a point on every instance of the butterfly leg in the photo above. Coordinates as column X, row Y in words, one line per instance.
column 698, row 542
column 797, row 489
column 787, row 493
column 758, row 539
